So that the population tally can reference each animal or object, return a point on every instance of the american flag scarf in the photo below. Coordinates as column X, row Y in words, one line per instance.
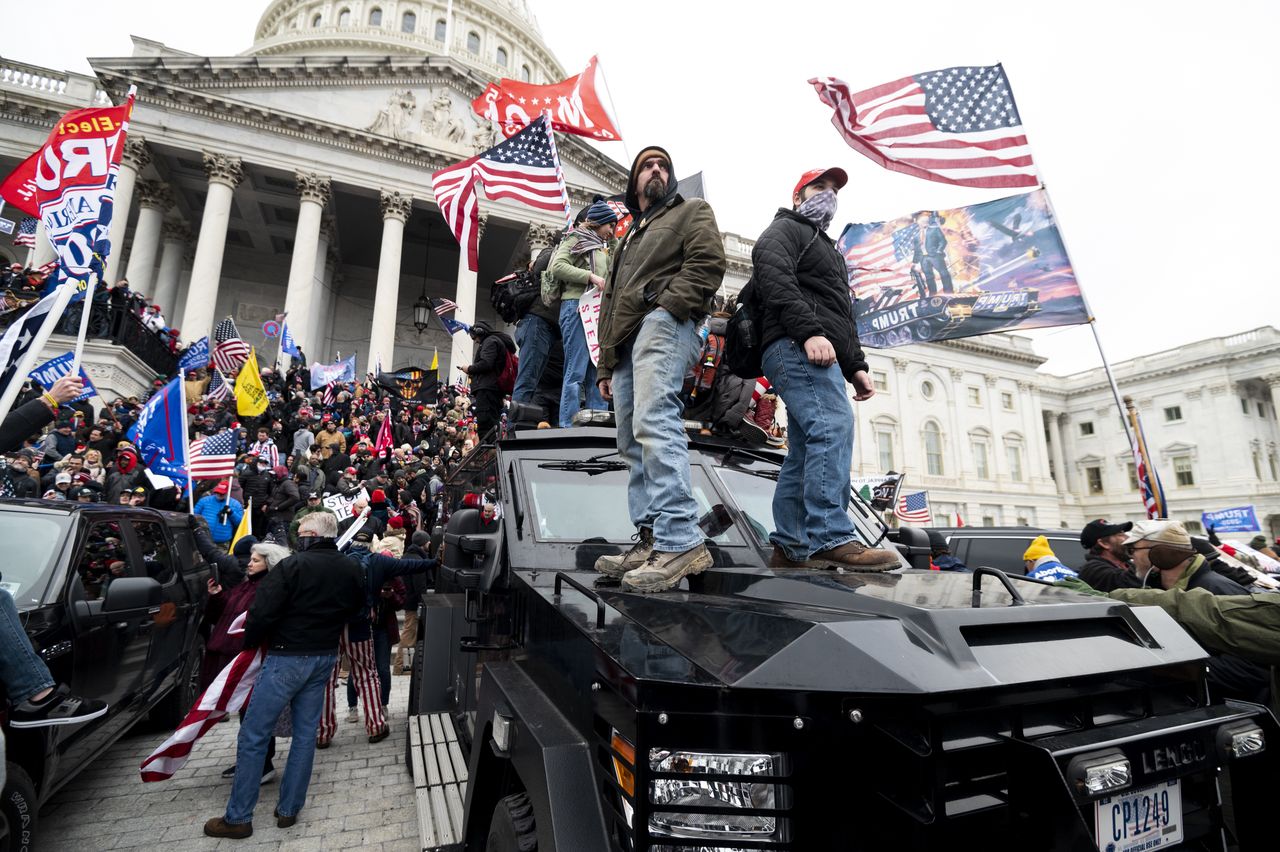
column 228, row 693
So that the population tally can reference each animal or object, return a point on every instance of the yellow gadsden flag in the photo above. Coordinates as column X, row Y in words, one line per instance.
column 435, row 360
column 251, row 396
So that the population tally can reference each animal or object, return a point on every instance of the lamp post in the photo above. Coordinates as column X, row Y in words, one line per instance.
column 422, row 309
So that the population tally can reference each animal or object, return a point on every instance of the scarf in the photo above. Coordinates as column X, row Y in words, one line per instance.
column 819, row 209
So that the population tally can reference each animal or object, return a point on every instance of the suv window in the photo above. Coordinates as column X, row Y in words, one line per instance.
column 103, row 558
column 30, row 545
column 157, row 560
column 1006, row 553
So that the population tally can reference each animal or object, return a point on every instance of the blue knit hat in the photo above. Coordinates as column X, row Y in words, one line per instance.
column 601, row 213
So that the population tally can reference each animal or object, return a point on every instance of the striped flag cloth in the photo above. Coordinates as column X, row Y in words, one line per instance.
column 957, row 126
column 213, row 457
column 524, row 168
column 228, row 693
column 1149, row 485
column 219, row 387
column 883, row 262
column 330, row 393
column 26, row 235
column 229, row 351
column 913, row 508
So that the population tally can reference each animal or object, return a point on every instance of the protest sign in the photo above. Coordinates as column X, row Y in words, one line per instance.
column 1235, row 520
column 589, row 311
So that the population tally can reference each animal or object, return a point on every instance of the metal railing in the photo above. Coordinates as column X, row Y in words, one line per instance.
column 119, row 325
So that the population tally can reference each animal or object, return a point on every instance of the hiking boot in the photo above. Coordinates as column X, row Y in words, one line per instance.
column 856, row 556
column 59, row 707
column 780, row 559
column 663, row 570
column 758, row 422
column 219, row 827
column 616, row 566
column 284, row 821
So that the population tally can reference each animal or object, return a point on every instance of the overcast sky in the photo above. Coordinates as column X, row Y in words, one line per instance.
column 1144, row 118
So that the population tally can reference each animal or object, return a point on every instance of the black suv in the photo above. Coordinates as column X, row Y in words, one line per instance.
column 1002, row 547
column 111, row 598
column 794, row 709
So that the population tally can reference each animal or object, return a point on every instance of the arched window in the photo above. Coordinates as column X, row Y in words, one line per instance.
column 344, row 18
column 408, row 22
column 502, row 57
column 315, row 22
column 375, row 17
column 473, row 42
column 525, row 74
column 933, row 449
column 442, row 29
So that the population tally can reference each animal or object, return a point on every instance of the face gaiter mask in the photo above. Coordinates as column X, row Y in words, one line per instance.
column 819, row 209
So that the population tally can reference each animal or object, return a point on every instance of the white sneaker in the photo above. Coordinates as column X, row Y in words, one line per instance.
column 353, row 714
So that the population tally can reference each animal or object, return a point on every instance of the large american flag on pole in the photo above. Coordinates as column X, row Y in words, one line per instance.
column 229, row 351
column 213, row 457
column 957, row 126
column 523, row 168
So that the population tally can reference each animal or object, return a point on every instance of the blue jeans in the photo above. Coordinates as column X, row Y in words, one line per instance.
column 811, row 502
column 646, row 398
column 534, row 336
column 22, row 671
column 295, row 682
column 578, row 369
column 382, row 659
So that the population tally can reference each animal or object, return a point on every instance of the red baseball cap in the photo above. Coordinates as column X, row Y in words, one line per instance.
column 836, row 174
column 221, row 487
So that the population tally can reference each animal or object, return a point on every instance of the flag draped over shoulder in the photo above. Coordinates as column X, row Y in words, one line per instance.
column 574, row 104
column 251, row 396
column 524, row 168
column 75, row 176
column 957, row 125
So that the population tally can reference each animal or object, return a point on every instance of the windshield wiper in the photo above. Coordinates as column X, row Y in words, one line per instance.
column 591, row 467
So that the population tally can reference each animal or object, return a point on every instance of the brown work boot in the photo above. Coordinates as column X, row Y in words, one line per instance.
column 856, row 556
column 780, row 559
column 616, row 566
column 663, row 570
column 219, row 827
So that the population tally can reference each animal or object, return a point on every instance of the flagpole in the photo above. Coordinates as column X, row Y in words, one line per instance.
column 28, row 361
column 564, row 188
column 186, row 437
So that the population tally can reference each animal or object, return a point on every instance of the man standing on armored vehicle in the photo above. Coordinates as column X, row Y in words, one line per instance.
column 665, row 274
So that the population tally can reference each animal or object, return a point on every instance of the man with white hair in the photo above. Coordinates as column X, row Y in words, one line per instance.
column 298, row 614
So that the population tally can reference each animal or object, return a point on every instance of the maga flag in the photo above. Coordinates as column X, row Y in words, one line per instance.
column 19, row 188
column 957, row 126
column 75, row 176
column 251, row 396
column 574, row 104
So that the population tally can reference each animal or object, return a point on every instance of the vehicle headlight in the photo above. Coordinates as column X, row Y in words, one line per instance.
column 1241, row 739
column 693, row 792
column 1100, row 773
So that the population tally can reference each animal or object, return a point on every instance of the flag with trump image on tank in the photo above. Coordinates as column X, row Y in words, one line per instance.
column 943, row 274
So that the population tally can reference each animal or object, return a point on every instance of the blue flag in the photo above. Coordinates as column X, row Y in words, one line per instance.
column 55, row 368
column 323, row 374
column 197, row 355
column 287, row 344
column 454, row 326
column 161, row 433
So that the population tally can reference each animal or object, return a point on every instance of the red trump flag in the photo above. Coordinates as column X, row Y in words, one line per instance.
column 574, row 105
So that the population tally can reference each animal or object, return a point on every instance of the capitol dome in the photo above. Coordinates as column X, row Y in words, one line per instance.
column 497, row 38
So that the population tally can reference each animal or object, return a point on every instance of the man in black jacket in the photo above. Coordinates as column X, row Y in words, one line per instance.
column 1107, row 566
column 298, row 614
column 810, row 345
column 491, row 356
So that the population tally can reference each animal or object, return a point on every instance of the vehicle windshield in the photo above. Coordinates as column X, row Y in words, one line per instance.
column 753, row 492
column 30, row 544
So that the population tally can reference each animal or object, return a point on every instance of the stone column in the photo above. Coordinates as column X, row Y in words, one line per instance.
column 314, row 191
column 134, row 160
column 396, row 208
column 314, row 332
column 1057, row 422
column 153, row 200
column 465, row 298
column 225, row 173
column 174, row 236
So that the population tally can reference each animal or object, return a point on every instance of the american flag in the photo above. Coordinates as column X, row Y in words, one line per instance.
column 213, row 457
column 26, row 235
column 913, row 508
column 445, row 306
column 523, row 168
column 229, row 351
column 1149, row 485
column 957, row 126
column 219, row 387
column 330, row 393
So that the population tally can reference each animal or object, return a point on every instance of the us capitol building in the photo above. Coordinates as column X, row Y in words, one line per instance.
column 296, row 176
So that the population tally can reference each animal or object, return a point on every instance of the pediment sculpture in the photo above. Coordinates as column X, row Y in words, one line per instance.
column 393, row 120
column 401, row 119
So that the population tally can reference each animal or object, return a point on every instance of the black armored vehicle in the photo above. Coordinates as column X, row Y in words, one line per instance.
column 754, row 708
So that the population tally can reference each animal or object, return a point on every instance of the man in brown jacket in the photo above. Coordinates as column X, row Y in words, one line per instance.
column 664, row 275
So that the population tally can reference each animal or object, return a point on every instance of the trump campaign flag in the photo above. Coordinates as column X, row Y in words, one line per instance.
column 341, row 372
column 197, row 355
column 19, row 188
column 55, row 368
column 75, row 178
column 574, row 105
column 161, row 433
column 957, row 126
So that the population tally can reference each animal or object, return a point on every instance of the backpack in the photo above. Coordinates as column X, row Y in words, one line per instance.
column 513, row 295
column 742, row 349
column 507, row 378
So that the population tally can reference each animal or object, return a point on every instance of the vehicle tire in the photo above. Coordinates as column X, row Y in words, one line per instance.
column 512, row 828
column 18, row 811
column 171, row 709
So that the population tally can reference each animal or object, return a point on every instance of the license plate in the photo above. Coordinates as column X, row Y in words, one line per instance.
column 1150, row 818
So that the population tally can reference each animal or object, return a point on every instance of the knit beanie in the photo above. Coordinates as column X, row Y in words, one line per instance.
column 242, row 547
column 601, row 213
column 1039, row 548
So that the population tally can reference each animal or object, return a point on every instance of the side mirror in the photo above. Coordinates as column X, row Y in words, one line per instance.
column 125, row 594
column 913, row 543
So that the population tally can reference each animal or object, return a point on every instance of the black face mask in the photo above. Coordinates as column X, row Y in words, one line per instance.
column 306, row 542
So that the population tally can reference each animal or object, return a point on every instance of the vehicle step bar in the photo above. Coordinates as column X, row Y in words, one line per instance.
column 439, row 781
